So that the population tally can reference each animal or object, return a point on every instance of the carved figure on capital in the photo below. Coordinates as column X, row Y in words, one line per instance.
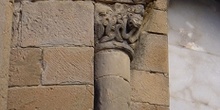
column 118, row 22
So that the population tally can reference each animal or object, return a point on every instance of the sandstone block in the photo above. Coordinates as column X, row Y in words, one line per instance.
column 47, row 23
column 3, row 92
column 162, row 108
column 157, row 22
column 16, row 27
column 5, row 41
column 112, row 93
column 161, row 4
column 152, row 53
column 25, row 67
column 116, row 63
column 76, row 97
column 147, row 87
column 142, row 106
column 68, row 65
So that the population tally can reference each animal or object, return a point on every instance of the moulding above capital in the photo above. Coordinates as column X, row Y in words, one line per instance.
column 126, row 1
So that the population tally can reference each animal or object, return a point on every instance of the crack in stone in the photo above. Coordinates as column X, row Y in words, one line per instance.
column 75, row 83
column 89, row 90
column 152, row 72
column 111, row 75
column 149, row 103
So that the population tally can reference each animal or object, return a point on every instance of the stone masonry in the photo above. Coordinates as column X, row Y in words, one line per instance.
column 149, row 75
column 51, row 63
column 83, row 55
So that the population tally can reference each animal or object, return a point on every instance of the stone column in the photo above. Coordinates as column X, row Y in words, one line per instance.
column 116, row 30
column 112, row 80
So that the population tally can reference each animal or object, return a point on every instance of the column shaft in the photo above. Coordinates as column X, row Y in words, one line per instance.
column 112, row 77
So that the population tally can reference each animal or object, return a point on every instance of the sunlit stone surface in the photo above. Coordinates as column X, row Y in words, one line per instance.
column 194, row 54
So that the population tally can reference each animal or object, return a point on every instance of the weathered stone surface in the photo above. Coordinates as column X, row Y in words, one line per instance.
column 161, row 4
column 149, row 87
column 112, row 93
column 16, row 27
column 68, row 65
column 57, row 23
column 142, row 106
column 112, row 63
column 126, row 1
column 76, row 97
column 3, row 92
column 162, row 108
column 157, row 22
column 152, row 53
column 25, row 66
column 115, row 1
column 146, row 106
column 5, row 40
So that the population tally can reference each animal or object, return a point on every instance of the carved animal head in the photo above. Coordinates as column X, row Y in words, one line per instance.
column 103, row 13
column 134, row 20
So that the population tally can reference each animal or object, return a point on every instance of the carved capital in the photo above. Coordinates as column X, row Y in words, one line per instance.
column 117, row 25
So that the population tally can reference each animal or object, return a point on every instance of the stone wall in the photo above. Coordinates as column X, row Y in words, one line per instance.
column 52, row 57
column 149, row 69
column 51, row 63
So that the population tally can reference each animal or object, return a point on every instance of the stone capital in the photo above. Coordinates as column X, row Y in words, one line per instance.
column 117, row 25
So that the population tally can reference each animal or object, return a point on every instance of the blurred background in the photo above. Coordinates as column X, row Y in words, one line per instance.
column 194, row 54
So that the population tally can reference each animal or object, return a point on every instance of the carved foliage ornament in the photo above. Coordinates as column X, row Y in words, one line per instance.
column 117, row 25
